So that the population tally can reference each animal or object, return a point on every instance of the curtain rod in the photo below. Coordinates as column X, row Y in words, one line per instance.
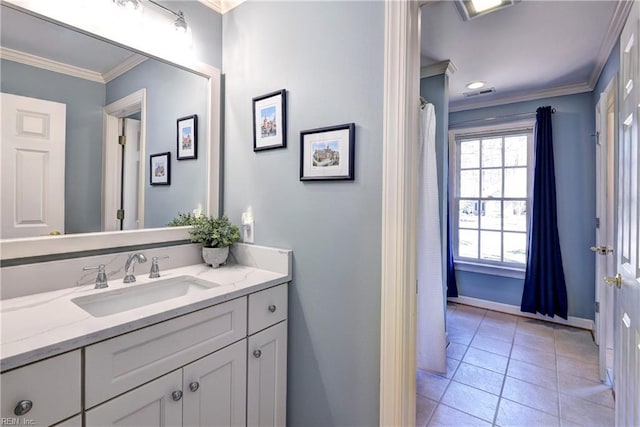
column 494, row 119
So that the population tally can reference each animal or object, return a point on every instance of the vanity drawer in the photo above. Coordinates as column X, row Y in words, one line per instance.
column 267, row 308
column 124, row 362
column 52, row 386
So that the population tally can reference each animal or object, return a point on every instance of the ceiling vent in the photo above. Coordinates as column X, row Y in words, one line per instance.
column 486, row 91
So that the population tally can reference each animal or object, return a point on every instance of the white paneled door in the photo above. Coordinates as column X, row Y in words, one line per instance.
column 605, row 233
column 33, row 150
column 627, row 294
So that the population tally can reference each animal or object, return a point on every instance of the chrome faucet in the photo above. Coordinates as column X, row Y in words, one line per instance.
column 101, row 278
column 131, row 261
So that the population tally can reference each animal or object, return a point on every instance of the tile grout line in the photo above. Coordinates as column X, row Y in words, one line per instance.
column 439, row 402
column 555, row 353
column 504, row 377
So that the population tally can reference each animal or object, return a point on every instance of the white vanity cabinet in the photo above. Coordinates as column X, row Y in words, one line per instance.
column 208, row 392
column 221, row 366
column 152, row 404
column 42, row 393
column 267, row 358
column 215, row 388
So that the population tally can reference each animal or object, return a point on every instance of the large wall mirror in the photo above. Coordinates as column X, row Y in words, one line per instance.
column 70, row 97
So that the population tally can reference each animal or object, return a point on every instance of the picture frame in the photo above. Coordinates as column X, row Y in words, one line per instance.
column 187, row 137
column 160, row 169
column 270, row 121
column 328, row 154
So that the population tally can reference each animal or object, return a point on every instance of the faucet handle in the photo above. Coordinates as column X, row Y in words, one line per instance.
column 101, row 278
column 154, row 273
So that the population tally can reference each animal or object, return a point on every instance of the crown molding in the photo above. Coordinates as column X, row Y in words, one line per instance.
column 48, row 64
column 443, row 67
column 521, row 97
column 216, row 5
column 71, row 70
column 221, row 6
column 227, row 5
column 126, row 65
column 611, row 37
column 616, row 24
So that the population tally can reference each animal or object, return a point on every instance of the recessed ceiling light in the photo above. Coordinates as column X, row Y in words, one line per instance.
column 470, row 9
column 475, row 85
column 482, row 5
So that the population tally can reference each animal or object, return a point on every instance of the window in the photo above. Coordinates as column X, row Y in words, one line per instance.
column 491, row 186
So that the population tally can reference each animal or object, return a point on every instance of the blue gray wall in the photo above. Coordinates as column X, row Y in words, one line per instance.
column 573, row 126
column 83, row 158
column 609, row 71
column 329, row 58
column 206, row 28
column 172, row 93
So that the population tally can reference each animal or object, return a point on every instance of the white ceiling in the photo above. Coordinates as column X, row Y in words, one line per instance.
column 532, row 49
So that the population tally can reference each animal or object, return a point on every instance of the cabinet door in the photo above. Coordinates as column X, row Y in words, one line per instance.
column 267, row 377
column 49, row 391
column 153, row 404
column 215, row 388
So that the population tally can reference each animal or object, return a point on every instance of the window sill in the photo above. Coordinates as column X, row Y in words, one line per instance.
column 494, row 270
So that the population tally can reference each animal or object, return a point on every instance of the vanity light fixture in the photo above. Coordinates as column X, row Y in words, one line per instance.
column 475, row 85
column 129, row 4
column 180, row 24
column 469, row 9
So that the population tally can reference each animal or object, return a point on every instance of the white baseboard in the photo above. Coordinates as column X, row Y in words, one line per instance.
column 577, row 322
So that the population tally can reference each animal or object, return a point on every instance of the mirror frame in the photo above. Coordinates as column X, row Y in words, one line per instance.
column 28, row 247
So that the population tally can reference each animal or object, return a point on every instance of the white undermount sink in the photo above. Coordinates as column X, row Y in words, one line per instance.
column 136, row 296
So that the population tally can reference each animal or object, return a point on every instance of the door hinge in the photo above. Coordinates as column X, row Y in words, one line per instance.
column 597, row 306
column 122, row 140
column 120, row 214
column 597, row 222
column 597, row 136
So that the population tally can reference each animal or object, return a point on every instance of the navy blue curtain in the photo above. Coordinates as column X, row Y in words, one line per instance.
column 545, row 290
column 452, row 287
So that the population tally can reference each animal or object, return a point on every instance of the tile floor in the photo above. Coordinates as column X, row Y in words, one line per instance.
column 505, row 370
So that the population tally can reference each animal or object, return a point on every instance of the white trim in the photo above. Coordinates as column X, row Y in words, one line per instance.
column 443, row 67
column 215, row 5
column 49, row 64
column 521, row 97
column 71, row 70
column 18, row 248
column 213, row 136
column 227, row 5
column 121, row 68
column 577, row 322
column 399, row 212
column 37, row 246
column 613, row 34
column 111, row 155
column 221, row 6
column 493, row 270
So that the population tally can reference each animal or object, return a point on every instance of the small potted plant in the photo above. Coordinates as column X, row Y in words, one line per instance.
column 215, row 235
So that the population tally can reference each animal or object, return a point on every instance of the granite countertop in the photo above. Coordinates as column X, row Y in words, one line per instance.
column 42, row 325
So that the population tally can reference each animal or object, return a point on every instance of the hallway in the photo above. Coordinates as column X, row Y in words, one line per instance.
column 506, row 370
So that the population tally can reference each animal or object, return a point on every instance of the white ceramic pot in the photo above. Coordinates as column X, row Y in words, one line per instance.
column 215, row 256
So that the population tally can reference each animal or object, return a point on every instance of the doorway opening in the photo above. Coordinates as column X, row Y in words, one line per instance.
column 124, row 147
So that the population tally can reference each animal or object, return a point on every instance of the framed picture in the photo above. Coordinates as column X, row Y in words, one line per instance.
column 187, row 137
column 328, row 153
column 270, row 121
column 160, row 168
